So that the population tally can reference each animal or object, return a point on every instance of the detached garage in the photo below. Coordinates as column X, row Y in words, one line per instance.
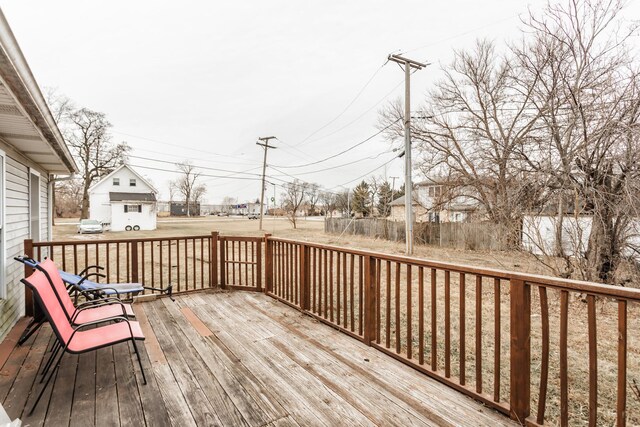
column 123, row 200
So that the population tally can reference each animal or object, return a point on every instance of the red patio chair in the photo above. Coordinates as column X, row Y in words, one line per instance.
column 90, row 311
column 79, row 339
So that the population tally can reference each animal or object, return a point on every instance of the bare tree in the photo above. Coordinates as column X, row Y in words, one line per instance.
column 68, row 198
column 198, row 193
column 187, row 183
column 343, row 202
column 475, row 123
column 90, row 141
column 313, row 197
column 328, row 202
column 586, row 92
column 293, row 197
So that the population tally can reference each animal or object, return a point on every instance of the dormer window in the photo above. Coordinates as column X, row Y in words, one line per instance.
column 132, row 182
column 116, row 181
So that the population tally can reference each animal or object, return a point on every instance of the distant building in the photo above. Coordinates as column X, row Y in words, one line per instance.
column 123, row 200
column 180, row 209
column 436, row 201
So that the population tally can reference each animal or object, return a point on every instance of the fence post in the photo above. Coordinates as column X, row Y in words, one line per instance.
column 134, row 261
column 223, row 263
column 213, row 260
column 28, row 296
column 369, row 299
column 259, row 266
column 305, row 277
column 520, row 349
column 268, row 263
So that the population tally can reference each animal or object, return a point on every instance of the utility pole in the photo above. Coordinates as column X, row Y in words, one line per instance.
column 265, row 144
column 408, row 64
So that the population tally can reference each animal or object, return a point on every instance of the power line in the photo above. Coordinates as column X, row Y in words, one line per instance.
column 257, row 178
column 173, row 145
column 359, row 117
column 199, row 167
column 344, row 164
column 342, row 152
column 348, row 105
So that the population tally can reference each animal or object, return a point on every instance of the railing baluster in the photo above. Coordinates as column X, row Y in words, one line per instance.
column 360, row 294
column 388, row 312
column 463, row 327
column 117, row 262
column 325, row 283
column 194, row 257
column 421, row 315
column 338, row 295
column 544, row 363
column 478, row 333
column 447, row 323
column 108, row 266
column 351, row 291
column 344, row 283
column 397, row 309
column 331, row 286
column 378, row 299
column 434, row 321
column 621, row 402
column 497, row 341
column 564, row 382
column 593, row 361
column 409, row 320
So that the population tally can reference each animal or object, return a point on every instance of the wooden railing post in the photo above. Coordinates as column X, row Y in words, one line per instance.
column 520, row 366
column 28, row 296
column 370, row 298
column 223, row 264
column 259, row 266
column 213, row 260
column 134, row 261
column 268, row 263
column 305, row 277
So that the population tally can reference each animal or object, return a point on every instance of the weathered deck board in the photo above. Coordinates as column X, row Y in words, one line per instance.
column 233, row 358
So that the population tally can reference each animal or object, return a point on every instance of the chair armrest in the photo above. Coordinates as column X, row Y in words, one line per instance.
column 83, row 272
column 86, row 276
column 98, row 304
column 97, row 322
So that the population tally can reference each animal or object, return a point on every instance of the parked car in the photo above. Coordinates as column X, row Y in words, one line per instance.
column 253, row 216
column 89, row 226
column 223, row 214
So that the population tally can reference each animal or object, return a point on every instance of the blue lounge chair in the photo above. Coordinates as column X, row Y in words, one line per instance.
column 81, row 282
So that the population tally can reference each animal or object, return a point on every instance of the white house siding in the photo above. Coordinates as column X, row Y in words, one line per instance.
column 16, row 231
column 44, row 208
column 146, row 219
column 538, row 235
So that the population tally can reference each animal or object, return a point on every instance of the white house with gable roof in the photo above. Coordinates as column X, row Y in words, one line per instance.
column 123, row 201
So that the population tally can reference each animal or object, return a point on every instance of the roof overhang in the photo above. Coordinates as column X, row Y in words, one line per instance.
column 26, row 123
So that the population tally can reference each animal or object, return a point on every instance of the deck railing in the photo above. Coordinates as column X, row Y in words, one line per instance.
column 538, row 349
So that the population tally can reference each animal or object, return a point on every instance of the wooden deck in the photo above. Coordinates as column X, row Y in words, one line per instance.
column 233, row 359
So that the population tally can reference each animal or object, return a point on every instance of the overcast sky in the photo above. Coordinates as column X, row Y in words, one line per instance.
column 202, row 80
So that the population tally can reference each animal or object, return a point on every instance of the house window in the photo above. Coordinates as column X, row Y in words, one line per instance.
column 132, row 208
column 435, row 191
column 116, row 181
column 434, row 217
column 132, row 182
